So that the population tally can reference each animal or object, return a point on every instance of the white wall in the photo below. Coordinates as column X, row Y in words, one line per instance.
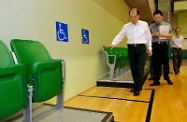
column 17, row 20
column 35, row 19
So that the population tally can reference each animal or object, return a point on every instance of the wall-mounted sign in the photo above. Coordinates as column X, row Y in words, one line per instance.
column 85, row 36
column 61, row 32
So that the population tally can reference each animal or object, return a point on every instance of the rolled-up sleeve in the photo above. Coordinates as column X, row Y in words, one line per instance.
column 171, row 42
column 120, row 36
column 148, row 37
column 170, row 29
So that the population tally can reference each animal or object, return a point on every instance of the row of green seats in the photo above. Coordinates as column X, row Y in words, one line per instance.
column 35, row 68
column 117, row 56
column 13, row 87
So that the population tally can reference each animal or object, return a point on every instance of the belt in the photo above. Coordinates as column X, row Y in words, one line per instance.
column 135, row 45
column 160, row 43
column 176, row 48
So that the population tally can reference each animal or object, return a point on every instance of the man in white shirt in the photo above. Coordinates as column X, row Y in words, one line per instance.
column 139, row 36
column 176, row 45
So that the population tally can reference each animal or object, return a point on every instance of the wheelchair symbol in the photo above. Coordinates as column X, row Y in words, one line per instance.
column 61, row 34
column 85, row 38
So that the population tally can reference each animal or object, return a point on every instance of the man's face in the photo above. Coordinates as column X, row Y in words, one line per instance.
column 177, row 32
column 158, row 18
column 134, row 17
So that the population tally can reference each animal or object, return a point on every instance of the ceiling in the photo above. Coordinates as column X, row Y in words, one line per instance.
column 145, row 10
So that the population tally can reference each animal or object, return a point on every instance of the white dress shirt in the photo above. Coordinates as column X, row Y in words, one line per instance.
column 138, row 33
column 177, row 42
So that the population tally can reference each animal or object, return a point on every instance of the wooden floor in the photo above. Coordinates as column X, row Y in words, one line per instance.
column 164, row 103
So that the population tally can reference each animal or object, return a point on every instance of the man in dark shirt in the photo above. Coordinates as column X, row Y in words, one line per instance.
column 160, row 47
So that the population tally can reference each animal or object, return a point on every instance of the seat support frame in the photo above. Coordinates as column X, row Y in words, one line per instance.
column 27, row 114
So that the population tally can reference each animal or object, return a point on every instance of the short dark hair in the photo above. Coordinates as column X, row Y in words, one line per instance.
column 177, row 28
column 158, row 12
column 137, row 11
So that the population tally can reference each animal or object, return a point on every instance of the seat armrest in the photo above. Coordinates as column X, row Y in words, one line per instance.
column 18, row 68
column 63, row 67
column 113, row 58
column 39, row 66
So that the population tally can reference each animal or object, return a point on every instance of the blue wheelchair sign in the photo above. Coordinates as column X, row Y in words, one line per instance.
column 85, row 36
column 61, row 32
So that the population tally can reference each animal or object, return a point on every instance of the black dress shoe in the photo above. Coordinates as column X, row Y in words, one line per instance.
column 169, row 82
column 132, row 90
column 150, row 78
column 155, row 84
column 176, row 73
column 136, row 93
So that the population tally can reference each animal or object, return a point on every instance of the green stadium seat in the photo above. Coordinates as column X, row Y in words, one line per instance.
column 13, row 86
column 43, row 73
column 117, row 60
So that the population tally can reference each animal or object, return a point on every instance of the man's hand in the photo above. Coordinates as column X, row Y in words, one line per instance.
column 150, row 53
column 111, row 46
column 157, row 34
